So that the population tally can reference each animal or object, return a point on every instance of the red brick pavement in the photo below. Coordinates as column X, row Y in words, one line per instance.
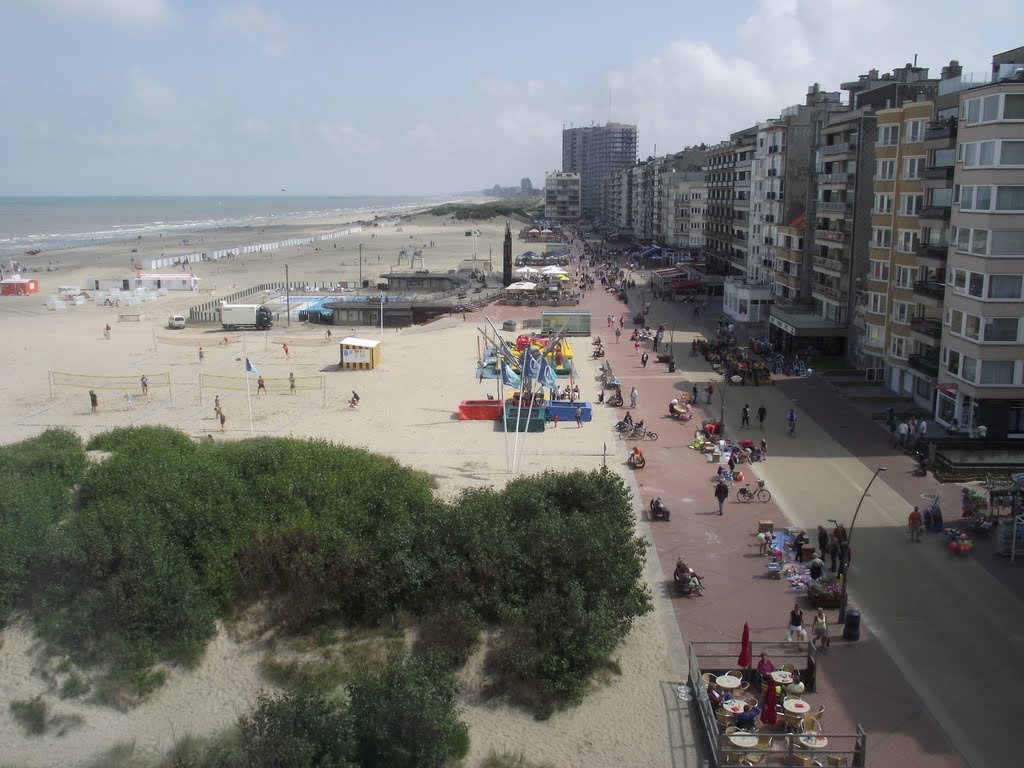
column 857, row 682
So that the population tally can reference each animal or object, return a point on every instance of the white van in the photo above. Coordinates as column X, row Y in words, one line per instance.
column 176, row 322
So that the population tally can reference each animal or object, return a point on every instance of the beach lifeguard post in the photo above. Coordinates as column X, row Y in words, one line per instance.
column 359, row 354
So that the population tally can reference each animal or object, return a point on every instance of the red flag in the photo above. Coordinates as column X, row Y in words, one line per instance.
column 744, row 659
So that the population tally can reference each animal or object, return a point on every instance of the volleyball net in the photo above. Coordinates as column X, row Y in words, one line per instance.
column 210, row 340
column 306, row 341
column 132, row 382
column 270, row 384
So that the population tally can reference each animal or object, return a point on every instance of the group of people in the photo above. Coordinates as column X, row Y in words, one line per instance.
column 906, row 434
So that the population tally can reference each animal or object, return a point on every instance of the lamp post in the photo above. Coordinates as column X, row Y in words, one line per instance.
column 844, row 572
column 360, row 266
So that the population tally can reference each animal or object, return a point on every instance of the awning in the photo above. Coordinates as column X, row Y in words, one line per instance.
column 685, row 285
column 653, row 252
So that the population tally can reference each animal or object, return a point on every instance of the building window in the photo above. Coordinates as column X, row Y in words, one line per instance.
column 911, row 205
column 898, row 347
column 908, row 240
column 878, row 270
column 1004, row 286
column 888, row 135
column 883, row 203
column 997, row 106
column 881, row 237
column 906, row 277
column 998, row 372
column 1001, row 329
column 1013, row 106
column 874, row 335
column 885, row 170
column 901, row 312
column 912, row 167
column 876, row 303
column 1010, row 198
column 972, row 326
column 915, row 131
column 1005, row 243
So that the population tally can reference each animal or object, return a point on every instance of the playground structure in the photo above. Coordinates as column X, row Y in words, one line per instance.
column 411, row 257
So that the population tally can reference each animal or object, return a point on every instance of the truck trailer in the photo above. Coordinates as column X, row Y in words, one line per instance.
column 245, row 316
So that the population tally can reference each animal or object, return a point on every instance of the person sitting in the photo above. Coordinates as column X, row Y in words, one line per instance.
column 600, row 397
column 628, row 419
column 636, row 457
column 747, row 717
column 797, row 687
column 682, row 572
column 765, row 668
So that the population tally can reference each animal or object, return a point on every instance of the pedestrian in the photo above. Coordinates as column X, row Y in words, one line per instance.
column 202, row 355
column 796, row 632
column 556, row 419
column 291, row 383
column 216, row 404
column 901, row 435
column 327, row 334
column 261, row 385
column 762, row 414
column 636, row 346
column 94, row 400
column 721, row 493
column 764, row 449
column 732, row 462
column 632, row 397
column 128, row 402
column 643, row 360
column 354, row 400
column 106, row 331
column 821, row 629
column 844, row 555
column 709, row 390
column 833, row 550
column 285, row 347
column 610, row 321
column 922, row 429
column 745, row 420
column 622, row 321
column 579, row 417
column 145, row 384
column 822, row 540
column 222, row 420
column 695, row 396
column 914, row 525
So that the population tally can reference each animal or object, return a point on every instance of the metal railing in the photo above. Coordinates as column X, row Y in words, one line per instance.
column 931, row 288
column 929, row 326
column 832, row 235
column 832, row 293
column 838, row 149
column 830, row 207
column 834, row 264
column 927, row 364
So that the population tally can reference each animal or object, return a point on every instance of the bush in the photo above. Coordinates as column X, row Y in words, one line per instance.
column 297, row 730
column 32, row 714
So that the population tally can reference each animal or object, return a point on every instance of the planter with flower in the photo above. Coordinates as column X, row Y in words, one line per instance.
column 825, row 592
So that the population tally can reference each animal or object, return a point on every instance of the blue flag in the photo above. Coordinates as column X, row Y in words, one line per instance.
column 531, row 364
column 250, row 368
column 509, row 377
column 548, row 378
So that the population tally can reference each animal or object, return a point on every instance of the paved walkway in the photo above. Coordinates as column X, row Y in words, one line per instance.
column 941, row 634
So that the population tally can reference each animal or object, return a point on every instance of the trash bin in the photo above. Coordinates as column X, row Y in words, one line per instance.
column 671, row 365
column 851, row 629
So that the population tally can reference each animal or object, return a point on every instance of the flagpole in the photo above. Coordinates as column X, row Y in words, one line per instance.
column 248, row 397
column 504, row 420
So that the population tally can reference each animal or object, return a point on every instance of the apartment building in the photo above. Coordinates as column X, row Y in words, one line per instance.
column 562, row 197
column 727, row 174
column 595, row 153
column 687, row 200
column 981, row 365
column 617, row 194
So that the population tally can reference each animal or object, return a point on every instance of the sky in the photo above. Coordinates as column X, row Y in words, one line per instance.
column 334, row 97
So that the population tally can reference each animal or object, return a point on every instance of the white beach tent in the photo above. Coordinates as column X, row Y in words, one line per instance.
column 527, row 271
column 553, row 270
column 522, row 286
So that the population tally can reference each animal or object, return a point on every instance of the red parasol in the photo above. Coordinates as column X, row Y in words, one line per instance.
column 768, row 714
column 744, row 659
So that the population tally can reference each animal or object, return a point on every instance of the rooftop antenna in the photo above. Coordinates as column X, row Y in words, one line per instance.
column 915, row 59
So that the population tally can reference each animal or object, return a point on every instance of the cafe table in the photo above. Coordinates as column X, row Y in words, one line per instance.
column 733, row 706
column 745, row 740
column 813, row 741
column 796, row 706
column 782, row 676
column 727, row 682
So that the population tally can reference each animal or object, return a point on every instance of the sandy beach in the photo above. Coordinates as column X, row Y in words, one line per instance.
column 407, row 410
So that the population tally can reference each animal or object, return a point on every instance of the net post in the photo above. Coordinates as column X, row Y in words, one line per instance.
column 170, row 394
column 200, row 387
column 323, row 387
column 49, row 381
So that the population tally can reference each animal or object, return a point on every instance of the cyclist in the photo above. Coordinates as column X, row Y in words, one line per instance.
column 791, row 420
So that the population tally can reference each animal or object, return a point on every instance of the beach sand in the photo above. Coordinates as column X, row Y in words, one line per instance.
column 407, row 410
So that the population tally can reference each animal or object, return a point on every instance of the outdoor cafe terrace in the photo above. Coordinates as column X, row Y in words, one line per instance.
column 788, row 729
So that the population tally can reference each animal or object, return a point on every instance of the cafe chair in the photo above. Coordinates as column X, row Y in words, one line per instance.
column 731, row 730
column 818, row 711
column 753, row 758
column 734, row 673
column 837, row 761
column 709, row 679
column 751, row 701
column 723, row 717
column 791, row 721
column 788, row 667
column 810, row 724
column 801, row 760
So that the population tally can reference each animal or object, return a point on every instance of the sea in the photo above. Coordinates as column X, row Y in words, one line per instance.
column 53, row 223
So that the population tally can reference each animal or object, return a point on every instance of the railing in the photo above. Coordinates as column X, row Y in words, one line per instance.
column 833, row 235
column 830, row 207
column 935, row 212
column 933, row 251
column 928, row 326
column 939, row 173
column 832, row 293
column 931, row 288
column 837, row 149
column 945, row 130
column 927, row 364
column 834, row 264
column 835, row 178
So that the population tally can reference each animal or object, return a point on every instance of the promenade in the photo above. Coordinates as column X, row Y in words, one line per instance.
column 931, row 678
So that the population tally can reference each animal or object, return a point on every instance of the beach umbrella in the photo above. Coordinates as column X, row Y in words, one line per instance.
column 527, row 271
column 562, row 277
column 553, row 270
column 522, row 286
column 768, row 714
column 545, row 231
column 534, row 232
column 744, row 659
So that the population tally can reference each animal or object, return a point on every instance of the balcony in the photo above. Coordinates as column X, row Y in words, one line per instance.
column 833, row 238
column 927, row 326
column 837, row 149
column 830, row 207
column 926, row 364
column 931, row 290
column 834, row 265
column 940, row 135
column 935, row 212
column 936, row 252
column 835, row 178
column 786, row 279
column 937, row 173
column 827, row 291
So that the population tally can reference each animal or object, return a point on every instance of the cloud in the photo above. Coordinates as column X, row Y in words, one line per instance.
column 265, row 31
column 126, row 13
column 343, row 135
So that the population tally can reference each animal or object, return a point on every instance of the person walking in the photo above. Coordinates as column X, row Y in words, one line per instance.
column 106, row 331
column 129, row 404
column 261, row 385
column 695, row 395
column 901, row 435
column 796, row 631
column 764, row 449
column 822, row 540
column 618, row 335
column 721, row 493
column 202, row 355
column 285, row 347
column 291, row 383
column 144, row 381
column 745, row 420
column 579, row 417
column 354, row 400
column 915, row 525
column 94, row 400
column 636, row 346
column 643, row 360
column 327, row 334
column 222, row 418
column 622, row 321
column 821, row 629
column 633, row 394
column 762, row 414
column 709, row 390
column 216, row 405
column 833, row 549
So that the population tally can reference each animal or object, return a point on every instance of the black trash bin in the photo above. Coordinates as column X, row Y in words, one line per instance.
column 851, row 629
column 672, row 365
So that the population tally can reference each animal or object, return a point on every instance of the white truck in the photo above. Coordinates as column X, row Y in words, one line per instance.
column 245, row 316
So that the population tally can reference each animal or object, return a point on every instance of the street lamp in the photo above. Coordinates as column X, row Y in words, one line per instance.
column 844, row 574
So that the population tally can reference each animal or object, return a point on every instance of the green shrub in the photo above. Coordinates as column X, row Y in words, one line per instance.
column 451, row 630
column 74, row 686
column 32, row 714
column 299, row 730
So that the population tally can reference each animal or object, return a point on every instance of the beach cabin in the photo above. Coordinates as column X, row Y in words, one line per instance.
column 173, row 281
column 111, row 284
column 359, row 354
column 18, row 286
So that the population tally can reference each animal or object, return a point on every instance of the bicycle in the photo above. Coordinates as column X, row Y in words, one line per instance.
column 762, row 494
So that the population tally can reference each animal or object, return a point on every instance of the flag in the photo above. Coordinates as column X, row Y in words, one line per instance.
column 250, row 368
column 547, row 377
column 509, row 377
column 531, row 363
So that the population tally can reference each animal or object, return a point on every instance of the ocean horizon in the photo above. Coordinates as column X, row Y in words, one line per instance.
column 58, row 222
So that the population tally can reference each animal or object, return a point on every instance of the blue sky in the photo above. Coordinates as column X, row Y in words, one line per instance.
column 400, row 97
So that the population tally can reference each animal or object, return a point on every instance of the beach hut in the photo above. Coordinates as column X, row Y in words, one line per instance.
column 18, row 286
column 173, row 281
column 527, row 271
column 359, row 354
